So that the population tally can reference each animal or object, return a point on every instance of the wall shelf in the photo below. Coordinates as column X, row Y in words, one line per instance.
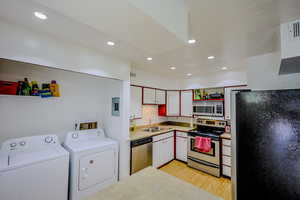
column 8, row 95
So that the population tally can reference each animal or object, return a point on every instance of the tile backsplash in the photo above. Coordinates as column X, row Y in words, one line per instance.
column 150, row 115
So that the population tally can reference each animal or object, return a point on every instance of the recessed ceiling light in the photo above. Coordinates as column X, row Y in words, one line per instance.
column 40, row 15
column 224, row 68
column 189, row 74
column 172, row 68
column 211, row 57
column 110, row 43
column 192, row 41
column 149, row 58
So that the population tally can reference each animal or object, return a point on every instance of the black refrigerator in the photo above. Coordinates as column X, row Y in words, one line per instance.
column 266, row 145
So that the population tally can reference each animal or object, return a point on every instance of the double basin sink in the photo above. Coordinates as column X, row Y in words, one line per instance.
column 155, row 129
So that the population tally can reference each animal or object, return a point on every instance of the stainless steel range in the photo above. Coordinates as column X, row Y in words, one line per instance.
column 208, row 162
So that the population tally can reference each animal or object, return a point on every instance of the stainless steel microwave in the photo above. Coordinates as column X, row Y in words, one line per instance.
column 213, row 109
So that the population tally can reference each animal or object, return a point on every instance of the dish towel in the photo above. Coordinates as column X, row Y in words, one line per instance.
column 203, row 144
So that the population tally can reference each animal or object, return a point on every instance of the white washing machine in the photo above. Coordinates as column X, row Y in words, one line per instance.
column 34, row 168
column 94, row 162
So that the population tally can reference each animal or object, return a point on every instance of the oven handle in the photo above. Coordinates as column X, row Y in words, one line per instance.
column 203, row 162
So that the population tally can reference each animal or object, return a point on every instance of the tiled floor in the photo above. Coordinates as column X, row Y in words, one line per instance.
column 218, row 186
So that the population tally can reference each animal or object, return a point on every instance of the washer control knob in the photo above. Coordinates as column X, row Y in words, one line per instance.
column 48, row 139
column 22, row 143
column 75, row 135
column 12, row 145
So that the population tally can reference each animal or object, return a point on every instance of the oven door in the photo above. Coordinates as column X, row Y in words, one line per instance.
column 211, row 157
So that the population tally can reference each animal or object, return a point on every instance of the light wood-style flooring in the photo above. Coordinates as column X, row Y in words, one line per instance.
column 218, row 186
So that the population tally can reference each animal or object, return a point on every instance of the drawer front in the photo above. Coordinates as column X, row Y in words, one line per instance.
column 226, row 171
column 226, row 160
column 226, row 142
column 163, row 136
column 226, row 150
column 181, row 134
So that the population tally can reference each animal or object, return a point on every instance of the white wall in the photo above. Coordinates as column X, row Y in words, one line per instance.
column 22, row 44
column 262, row 73
column 149, row 79
column 219, row 79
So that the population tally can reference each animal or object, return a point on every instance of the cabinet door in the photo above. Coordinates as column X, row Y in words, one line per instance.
column 181, row 149
column 160, row 97
column 173, row 103
column 135, row 102
column 187, row 103
column 168, row 150
column 148, row 96
column 163, row 152
column 156, row 156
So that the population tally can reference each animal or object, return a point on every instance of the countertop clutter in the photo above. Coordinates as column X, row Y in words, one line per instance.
column 150, row 184
column 140, row 133
column 226, row 136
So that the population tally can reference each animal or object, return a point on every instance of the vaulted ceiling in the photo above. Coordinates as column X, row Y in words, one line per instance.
column 230, row 30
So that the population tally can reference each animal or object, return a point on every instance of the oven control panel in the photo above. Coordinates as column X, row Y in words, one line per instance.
column 213, row 123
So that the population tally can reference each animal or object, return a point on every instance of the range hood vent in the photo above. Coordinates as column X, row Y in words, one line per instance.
column 290, row 48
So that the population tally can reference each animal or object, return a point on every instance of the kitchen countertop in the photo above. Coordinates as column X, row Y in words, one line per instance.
column 150, row 184
column 140, row 133
column 226, row 136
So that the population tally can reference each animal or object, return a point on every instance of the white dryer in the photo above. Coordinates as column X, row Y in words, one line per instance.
column 34, row 168
column 94, row 162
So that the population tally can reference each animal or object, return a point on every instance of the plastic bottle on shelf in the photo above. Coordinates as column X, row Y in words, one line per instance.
column 54, row 87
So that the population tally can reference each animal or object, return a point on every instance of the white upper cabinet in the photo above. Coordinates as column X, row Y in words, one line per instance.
column 160, row 97
column 135, row 102
column 227, row 100
column 149, row 96
column 154, row 96
column 187, row 103
column 173, row 103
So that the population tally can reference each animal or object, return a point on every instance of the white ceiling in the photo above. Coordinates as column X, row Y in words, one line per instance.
column 231, row 30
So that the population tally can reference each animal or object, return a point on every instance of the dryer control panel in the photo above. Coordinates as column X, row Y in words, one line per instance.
column 85, row 135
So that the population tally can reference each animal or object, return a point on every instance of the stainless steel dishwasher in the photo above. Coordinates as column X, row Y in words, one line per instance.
column 141, row 154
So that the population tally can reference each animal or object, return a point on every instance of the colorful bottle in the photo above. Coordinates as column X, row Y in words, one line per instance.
column 54, row 87
column 35, row 89
column 26, row 89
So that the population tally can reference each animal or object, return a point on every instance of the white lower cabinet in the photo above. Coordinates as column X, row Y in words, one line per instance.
column 181, row 146
column 226, row 157
column 163, row 149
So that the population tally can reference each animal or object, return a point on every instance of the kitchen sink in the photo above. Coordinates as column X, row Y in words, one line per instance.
column 155, row 129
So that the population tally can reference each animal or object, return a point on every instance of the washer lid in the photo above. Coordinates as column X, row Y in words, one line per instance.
column 28, row 150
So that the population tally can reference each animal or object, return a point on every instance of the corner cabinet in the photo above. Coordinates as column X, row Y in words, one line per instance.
column 136, row 102
column 186, row 103
column 163, row 149
column 173, row 103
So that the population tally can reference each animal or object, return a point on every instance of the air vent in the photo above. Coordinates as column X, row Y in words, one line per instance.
column 295, row 29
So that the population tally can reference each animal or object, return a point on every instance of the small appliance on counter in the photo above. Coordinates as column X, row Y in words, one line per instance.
column 209, row 162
